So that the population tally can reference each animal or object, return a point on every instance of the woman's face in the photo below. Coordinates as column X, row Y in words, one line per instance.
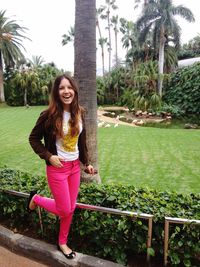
column 66, row 93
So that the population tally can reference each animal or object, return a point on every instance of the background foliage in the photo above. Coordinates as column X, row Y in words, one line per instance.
column 183, row 90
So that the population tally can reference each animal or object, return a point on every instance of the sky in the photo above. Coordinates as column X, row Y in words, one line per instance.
column 46, row 21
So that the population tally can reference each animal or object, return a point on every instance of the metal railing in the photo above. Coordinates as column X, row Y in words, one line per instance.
column 169, row 220
column 145, row 216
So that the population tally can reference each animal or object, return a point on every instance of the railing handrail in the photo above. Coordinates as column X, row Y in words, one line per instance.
column 148, row 217
column 113, row 211
column 91, row 207
column 181, row 220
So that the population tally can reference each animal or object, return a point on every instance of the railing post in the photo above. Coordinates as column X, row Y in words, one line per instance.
column 150, row 226
column 169, row 220
column 40, row 219
column 166, row 238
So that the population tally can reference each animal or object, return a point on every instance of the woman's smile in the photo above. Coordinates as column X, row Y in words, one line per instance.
column 66, row 93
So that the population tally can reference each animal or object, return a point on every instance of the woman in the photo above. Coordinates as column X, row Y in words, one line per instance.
column 63, row 129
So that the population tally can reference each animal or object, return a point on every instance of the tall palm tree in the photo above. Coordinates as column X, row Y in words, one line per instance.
column 159, row 16
column 102, row 40
column 128, row 29
column 85, row 72
column 110, row 4
column 114, row 21
column 11, row 36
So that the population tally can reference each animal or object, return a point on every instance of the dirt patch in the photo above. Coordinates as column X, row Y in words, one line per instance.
column 107, row 120
column 126, row 117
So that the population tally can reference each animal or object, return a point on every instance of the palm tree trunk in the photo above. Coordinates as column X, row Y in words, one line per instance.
column 2, row 96
column 109, row 36
column 25, row 96
column 116, row 48
column 85, row 74
column 161, row 61
column 102, row 47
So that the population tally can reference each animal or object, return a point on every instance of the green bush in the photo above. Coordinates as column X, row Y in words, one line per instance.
column 110, row 236
column 183, row 90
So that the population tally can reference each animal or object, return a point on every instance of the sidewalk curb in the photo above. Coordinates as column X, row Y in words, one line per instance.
column 47, row 253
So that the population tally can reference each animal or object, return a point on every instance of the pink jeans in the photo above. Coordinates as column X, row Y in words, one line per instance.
column 64, row 185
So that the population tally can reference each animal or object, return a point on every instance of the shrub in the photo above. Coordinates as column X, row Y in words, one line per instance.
column 110, row 236
column 175, row 110
column 183, row 90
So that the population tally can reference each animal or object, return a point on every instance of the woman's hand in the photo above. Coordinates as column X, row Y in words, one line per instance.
column 56, row 161
column 90, row 169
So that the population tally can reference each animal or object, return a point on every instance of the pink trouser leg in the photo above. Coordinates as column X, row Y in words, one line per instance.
column 64, row 185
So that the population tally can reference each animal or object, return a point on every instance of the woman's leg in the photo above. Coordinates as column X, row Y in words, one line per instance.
column 64, row 184
column 73, row 187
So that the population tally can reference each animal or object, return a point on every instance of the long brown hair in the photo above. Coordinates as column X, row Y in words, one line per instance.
column 55, row 109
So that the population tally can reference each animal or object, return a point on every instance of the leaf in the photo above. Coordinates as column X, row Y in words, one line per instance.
column 150, row 252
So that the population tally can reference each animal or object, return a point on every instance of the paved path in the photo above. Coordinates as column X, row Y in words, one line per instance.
column 41, row 252
column 10, row 259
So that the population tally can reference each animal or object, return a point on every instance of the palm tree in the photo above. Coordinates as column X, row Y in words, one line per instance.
column 109, row 4
column 28, row 80
column 114, row 21
column 10, row 46
column 144, row 2
column 85, row 72
column 36, row 62
column 67, row 38
column 159, row 16
column 102, row 40
column 128, row 30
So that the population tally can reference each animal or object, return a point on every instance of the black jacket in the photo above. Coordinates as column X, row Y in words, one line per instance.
column 48, row 148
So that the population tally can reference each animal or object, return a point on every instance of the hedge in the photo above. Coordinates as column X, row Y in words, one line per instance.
column 183, row 90
column 111, row 237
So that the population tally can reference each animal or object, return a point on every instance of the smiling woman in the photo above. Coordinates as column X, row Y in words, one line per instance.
column 63, row 128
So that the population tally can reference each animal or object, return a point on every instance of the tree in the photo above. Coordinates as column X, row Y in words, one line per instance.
column 190, row 49
column 28, row 80
column 128, row 30
column 11, row 36
column 85, row 72
column 114, row 21
column 109, row 4
column 36, row 62
column 102, row 41
column 67, row 38
column 159, row 17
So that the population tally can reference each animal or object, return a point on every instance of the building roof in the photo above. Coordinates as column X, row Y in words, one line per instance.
column 188, row 61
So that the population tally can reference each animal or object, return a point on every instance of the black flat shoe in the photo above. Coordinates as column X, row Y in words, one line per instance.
column 32, row 193
column 69, row 256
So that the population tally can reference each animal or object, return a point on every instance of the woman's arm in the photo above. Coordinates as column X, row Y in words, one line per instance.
column 36, row 136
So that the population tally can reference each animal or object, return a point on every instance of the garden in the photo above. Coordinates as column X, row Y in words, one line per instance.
column 149, row 168
column 160, row 176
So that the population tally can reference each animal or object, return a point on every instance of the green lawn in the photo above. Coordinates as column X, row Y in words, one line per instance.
column 166, row 159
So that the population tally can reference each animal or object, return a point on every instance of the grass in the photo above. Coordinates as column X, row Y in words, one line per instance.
column 165, row 159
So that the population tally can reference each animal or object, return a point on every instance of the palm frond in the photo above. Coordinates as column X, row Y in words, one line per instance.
column 184, row 12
